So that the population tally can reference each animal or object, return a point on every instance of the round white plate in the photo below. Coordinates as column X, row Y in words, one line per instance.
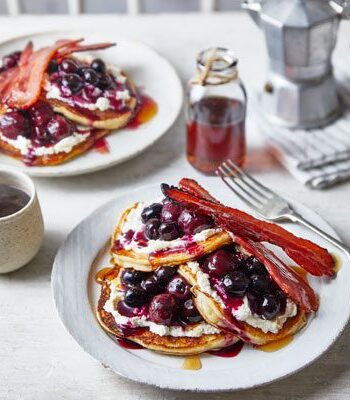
column 76, row 293
column 148, row 69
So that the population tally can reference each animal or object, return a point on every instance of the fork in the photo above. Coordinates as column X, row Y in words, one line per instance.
column 266, row 203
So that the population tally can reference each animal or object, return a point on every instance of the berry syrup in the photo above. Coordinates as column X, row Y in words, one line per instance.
column 101, row 146
column 128, row 344
column 228, row 352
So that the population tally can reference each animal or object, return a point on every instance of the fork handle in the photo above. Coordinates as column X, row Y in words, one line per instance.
column 295, row 217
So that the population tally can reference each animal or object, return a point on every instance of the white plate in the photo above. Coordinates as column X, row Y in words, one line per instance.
column 76, row 293
column 148, row 69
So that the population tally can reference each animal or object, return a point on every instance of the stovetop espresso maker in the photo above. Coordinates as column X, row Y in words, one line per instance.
column 300, row 91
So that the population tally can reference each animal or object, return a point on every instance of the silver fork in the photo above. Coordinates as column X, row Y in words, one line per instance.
column 265, row 202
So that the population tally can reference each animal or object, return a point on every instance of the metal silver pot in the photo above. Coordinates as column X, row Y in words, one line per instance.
column 300, row 35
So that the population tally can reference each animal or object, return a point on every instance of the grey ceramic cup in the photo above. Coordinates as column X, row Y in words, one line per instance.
column 21, row 233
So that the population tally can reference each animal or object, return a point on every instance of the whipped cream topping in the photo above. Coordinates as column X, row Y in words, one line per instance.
column 26, row 147
column 243, row 312
column 134, row 223
column 142, row 321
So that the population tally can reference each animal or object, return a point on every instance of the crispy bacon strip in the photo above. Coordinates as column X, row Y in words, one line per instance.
column 192, row 187
column 8, row 76
column 313, row 258
column 26, row 54
column 286, row 278
column 26, row 87
column 79, row 48
column 21, row 87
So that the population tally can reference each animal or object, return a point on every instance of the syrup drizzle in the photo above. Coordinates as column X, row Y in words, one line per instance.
column 147, row 110
column 276, row 345
column 337, row 262
column 228, row 352
column 193, row 363
column 105, row 273
column 101, row 145
column 128, row 344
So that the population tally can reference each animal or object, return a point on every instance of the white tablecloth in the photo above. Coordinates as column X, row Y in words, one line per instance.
column 38, row 359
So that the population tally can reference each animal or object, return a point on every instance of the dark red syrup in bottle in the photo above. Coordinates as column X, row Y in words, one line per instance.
column 215, row 133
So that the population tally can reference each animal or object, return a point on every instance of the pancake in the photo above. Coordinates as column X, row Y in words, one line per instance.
column 213, row 311
column 129, row 258
column 59, row 158
column 172, row 345
column 101, row 119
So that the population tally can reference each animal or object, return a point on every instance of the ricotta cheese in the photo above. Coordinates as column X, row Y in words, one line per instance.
column 65, row 145
column 243, row 312
column 53, row 92
column 162, row 330
column 135, row 224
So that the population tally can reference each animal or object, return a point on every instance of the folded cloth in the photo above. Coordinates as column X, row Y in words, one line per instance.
column 317, row 157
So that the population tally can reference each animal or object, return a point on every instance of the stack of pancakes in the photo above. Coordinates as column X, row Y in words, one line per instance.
column 138, row 257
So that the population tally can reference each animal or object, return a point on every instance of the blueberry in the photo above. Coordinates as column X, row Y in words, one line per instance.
column 152, row 229
column 98, row 65
column 170, row 212
column 151, row 285
column 189, row 312
column 169, row 231
column 219, row 263
column 73, row 82
column 151, row 211
column 60, row 127
column 267, row 306
column 254, row 266
column 162, row 309
column 52, row 67
column 124, row 309
column 164, row 274
column 235, row 283
column 41, row 113
column 191, row 223
column 132, row 277
column 261, row 284
column 135, row 297
column 179, row 288
column 14, row 124
column 89, row 75
column 69, row 66
column 105, row 82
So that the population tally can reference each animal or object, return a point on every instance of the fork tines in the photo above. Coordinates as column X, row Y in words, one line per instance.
column 243, row 185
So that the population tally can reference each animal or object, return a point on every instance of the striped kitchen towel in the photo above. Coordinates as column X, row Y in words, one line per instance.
column 317, row 157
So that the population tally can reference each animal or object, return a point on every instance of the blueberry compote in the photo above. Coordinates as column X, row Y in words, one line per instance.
column 10, row 61
column 88, row 86
column 37, row 127
column 234, row 276
column 163, row 296
column 166, row 221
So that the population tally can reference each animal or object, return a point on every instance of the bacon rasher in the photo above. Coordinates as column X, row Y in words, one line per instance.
column 20, row 87
column 311, row 257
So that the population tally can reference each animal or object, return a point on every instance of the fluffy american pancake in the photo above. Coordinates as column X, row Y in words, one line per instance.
column 213, row 312
column 51, row 159
column 59, row 158
column 102, row 119
column 173, row 345
column 175, row 256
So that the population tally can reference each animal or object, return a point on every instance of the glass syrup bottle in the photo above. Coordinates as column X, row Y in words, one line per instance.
column 216, row 112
